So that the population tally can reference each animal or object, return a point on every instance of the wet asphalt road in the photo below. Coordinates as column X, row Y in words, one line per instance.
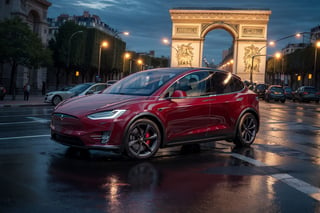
column 279, row 173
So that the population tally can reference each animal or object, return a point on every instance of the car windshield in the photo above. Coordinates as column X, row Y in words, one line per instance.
column 142, row 83
column 79, row 88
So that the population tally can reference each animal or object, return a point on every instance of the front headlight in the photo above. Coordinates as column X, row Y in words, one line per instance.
column 106, row 114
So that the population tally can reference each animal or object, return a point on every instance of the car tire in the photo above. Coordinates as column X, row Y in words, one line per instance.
column 246, row 130
column 142, row 139
column 283, row 101
column 56, row 100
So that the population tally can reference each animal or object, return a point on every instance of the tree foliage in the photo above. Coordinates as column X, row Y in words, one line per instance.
column 20, row 46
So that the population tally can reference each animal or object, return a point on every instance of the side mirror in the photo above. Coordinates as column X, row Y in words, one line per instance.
column 178, row 94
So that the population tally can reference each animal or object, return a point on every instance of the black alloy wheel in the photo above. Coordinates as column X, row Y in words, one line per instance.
column 246, row 130
column 143, row 139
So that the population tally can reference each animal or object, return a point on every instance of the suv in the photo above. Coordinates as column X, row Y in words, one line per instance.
column 275, row 92
column 306, row 93
column 260, row 89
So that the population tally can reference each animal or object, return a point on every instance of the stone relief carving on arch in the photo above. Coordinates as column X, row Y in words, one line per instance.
column 185, row 54
column 251, row 62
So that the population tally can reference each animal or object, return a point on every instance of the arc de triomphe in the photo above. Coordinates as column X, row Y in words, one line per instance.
column 248, row 28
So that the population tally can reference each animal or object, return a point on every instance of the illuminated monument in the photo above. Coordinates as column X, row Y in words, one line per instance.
column 248, row 27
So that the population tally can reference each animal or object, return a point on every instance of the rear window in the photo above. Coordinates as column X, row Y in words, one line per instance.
column 310, row 89
column 276, row 89
column 261, row 86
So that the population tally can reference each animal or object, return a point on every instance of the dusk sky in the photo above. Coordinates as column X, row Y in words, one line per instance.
column 149, row 21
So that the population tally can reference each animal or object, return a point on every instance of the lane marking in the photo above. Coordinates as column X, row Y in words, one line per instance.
column 23, row 137
column 34, row 120
column 40, row 120
column 300, row 185
column 23, row 122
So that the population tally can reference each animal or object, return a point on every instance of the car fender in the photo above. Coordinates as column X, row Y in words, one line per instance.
column 250, row 110
column 150, row 116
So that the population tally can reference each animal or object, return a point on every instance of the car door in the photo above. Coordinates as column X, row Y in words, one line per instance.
column 225, row 103
column 187, row 116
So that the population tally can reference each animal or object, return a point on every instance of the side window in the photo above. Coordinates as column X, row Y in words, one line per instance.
column 193, row 85
column 222, row 83
column 236, row 85
column 217, row 85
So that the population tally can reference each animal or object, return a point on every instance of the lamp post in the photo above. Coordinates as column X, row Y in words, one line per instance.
column 69, row 44
column 272, row 43
column 104, row 44
column 316, row 46
column 126, row 56
column 277, row 55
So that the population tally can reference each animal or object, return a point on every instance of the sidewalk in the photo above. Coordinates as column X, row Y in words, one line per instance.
column 34, row 100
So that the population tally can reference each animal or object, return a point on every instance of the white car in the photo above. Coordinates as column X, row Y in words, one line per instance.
column 56, row 97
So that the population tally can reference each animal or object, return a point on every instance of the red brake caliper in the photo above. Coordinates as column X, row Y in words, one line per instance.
column 147, row 136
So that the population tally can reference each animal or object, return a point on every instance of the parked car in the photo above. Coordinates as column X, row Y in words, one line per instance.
column 260, row 89
column 288, row 92
column 55, row 97
column 306, row 93
column 149, row 110
column 276, row 93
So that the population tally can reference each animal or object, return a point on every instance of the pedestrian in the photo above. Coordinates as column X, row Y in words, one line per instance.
column 43, row 88
column 26, row 92
column 3, row 92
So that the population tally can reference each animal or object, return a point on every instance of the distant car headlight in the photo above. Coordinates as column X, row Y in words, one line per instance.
column 106, row 114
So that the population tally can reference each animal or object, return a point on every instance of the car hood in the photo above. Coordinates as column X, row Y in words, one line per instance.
column 83, row 105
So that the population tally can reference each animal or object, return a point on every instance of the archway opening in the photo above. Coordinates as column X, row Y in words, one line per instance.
column 34, row 21
column 218, row 48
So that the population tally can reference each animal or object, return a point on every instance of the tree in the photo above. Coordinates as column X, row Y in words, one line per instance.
column 68, row 49
column 20, row 46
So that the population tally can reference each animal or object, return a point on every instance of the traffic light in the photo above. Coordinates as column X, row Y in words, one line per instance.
column 77, row 73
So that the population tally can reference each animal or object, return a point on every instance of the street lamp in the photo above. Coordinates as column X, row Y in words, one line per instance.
column 69, row 44
column 277, row 55
column 104, row 44
column 140, row 62
column 271, row 43
column 126, row 56
column 316, row 46
column 126, row 33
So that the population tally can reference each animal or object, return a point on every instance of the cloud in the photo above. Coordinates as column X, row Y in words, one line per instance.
column 149, row 20
column 98, row 5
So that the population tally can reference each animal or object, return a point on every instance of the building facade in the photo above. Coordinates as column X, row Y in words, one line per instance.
column 34, row 13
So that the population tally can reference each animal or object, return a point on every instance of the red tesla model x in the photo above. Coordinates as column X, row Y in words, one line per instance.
column 158, row 108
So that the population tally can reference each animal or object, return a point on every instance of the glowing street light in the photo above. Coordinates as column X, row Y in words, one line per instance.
column 316, row 46
column 140, row 62
column 104, row 44
column 125, row 33
column 126, row 56
column 276, row 55
column 166, row 41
